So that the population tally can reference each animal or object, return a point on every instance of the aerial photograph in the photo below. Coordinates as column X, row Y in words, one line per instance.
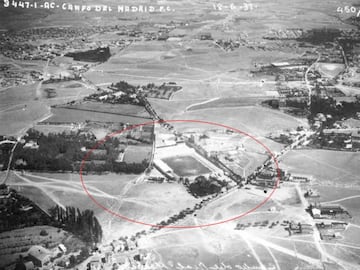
column 180, row 135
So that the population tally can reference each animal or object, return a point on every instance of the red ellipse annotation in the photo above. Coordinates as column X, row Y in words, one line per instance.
column 100, row 142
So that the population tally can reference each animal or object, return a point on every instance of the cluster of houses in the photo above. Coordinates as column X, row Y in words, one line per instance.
column 15, row 44
column 229, row 45
column 319, row 211
column 14, row 77
column 38, row 257
column 348, row 139
column 291, row 92
column 331, row 230
column 331, row 53
column 270, row 176
column 122, row 254
column 284, row 34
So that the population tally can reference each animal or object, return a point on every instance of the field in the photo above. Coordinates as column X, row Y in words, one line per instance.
column 337, row 183
column 121, row 194
column 136, row 154
column 118, row 109
column 63, row 115
column 330, row 168
column 254, row 120
column 222, row 244
column 329, row 70
column 19, row 109
column 23, row 106
column 186, row 166
column 63, row 92
column 336, row 176
column 227, row 102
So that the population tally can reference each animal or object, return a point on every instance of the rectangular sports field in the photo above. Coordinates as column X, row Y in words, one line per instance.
column 186, row 166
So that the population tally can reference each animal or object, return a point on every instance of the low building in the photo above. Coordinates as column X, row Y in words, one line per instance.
column 335, row 226
column 62, row 248
column 280, row 64
column 267, row 178
column 300, row 228
column 39, row 255
column 205, row 36
column 328, row 211
column 164, row 168
column 95, row 264
column 329, row 235
column 300, row 178
column 315, row 212
column 31, row 145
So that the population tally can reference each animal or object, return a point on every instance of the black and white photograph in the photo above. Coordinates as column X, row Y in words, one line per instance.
column 180, row 135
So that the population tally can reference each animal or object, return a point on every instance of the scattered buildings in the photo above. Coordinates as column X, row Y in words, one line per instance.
column 340, row 138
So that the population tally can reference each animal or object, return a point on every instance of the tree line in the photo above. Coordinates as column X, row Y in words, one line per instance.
column 81, row 223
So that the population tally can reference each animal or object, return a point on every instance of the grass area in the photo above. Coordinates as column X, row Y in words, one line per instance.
column 232, row 205
column 329, row 193
column 254, row 120
column 353, row 207
column 36, row 195
column 21, row 116
column 228, row 102
column 122, row 109
column 330, row 168
column 63, row 92
column 186, row 166
column 137, row 154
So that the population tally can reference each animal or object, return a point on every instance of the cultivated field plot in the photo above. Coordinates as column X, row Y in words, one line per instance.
column 228, row 102
column 63, row 115
column 137, row 154
column 63, row 92
column 19, row 109
column 117, row 109
column 48, row 128
column 186, row 166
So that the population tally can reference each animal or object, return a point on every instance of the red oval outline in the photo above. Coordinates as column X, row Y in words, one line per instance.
column 178, row 226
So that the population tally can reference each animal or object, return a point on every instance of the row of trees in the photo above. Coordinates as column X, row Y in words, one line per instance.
column 113, row 166
column 81, row 223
